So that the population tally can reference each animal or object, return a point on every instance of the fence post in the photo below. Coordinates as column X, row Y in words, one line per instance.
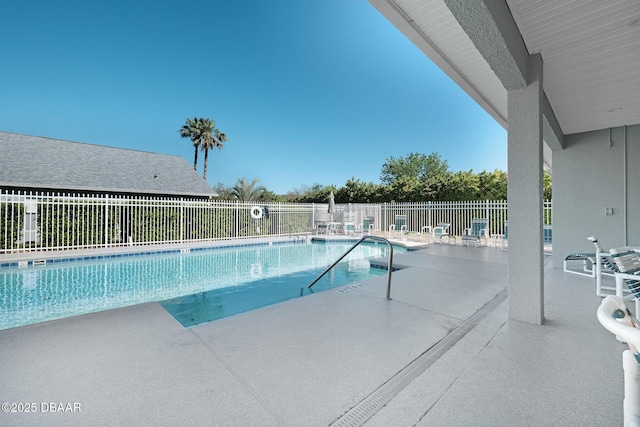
column 384, row 216
column 106, row 220
column 488, row 217
column 486, row 209
column 181, row 219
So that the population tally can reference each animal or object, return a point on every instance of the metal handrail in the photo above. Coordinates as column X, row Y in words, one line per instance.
column 375, row 238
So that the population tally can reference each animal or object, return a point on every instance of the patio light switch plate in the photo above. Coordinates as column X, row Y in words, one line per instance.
column 608, row 211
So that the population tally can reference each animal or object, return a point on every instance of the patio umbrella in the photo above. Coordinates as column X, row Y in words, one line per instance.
column 332, row 205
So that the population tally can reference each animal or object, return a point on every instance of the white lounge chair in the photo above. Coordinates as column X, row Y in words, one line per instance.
column 547, row 234
column 627, row 272
column 367, row 225
column 426, row 233
column 350, row 228
column 322, row 227
column 440, row 232
column 592, row 265
column 479, row 230
column 401, row 226
column 504, row 239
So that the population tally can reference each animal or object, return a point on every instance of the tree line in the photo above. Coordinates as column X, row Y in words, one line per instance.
column 414, row 178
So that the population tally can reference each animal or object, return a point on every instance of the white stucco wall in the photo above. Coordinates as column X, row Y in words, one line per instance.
column 590, row 175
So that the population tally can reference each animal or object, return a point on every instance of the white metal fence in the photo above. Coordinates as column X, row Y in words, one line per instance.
column 55, row 221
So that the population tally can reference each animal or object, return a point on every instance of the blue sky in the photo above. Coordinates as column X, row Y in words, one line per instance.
column 312, row 91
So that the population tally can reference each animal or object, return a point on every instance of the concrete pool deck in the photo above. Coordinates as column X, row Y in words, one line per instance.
column 439, row 353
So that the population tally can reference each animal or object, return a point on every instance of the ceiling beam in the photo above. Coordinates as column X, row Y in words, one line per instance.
column 495, row 34
column 552, row 132
column 492, row 29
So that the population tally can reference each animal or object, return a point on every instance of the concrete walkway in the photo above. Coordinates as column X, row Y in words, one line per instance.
column 439, row 353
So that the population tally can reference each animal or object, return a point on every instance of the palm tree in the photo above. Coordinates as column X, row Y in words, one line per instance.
column 193, row 129
column 247, row 191
column 211, row 141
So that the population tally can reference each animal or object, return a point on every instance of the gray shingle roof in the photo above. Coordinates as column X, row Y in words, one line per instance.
column 43, row 163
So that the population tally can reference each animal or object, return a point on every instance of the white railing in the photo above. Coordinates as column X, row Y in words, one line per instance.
column 458, row 214
column 31, row 221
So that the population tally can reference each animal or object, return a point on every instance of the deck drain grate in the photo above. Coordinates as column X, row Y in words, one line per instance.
column 371, row 404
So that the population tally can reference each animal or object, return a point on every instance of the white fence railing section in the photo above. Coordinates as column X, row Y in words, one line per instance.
column 54, row 221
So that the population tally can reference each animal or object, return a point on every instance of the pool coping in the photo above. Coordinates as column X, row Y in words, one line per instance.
column 55, row 260
column 33, row 259
column 28, row 259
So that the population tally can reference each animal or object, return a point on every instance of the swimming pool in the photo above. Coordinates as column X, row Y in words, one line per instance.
column 229, row 277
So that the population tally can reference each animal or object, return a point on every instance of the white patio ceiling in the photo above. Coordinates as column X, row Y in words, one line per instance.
column 590, row 50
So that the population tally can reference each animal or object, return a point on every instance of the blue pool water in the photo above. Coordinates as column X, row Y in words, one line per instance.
column 229, row 281
column 215, row 304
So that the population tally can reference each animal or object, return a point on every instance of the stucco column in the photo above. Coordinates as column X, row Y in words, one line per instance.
column 525, row 192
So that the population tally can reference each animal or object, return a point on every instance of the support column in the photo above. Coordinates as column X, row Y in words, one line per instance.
column 525, row 193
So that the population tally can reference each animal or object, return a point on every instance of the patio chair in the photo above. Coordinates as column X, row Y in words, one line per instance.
column 547, row 236
column 426, row 233
column 345, row 223
column 399, row 227
column 626, row 269
column 593, row 265
column 322, row 227
column 321, row 223
column 440, row 232
column 614, row 316
column 349, row 228
column 479, row 230
column 504, row 239
column 367, row 225
column 333, row 227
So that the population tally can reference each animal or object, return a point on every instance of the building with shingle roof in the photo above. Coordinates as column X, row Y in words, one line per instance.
column 47, row 164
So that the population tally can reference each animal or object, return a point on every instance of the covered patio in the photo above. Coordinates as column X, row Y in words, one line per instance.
column 563, row 78
column 441, row 352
